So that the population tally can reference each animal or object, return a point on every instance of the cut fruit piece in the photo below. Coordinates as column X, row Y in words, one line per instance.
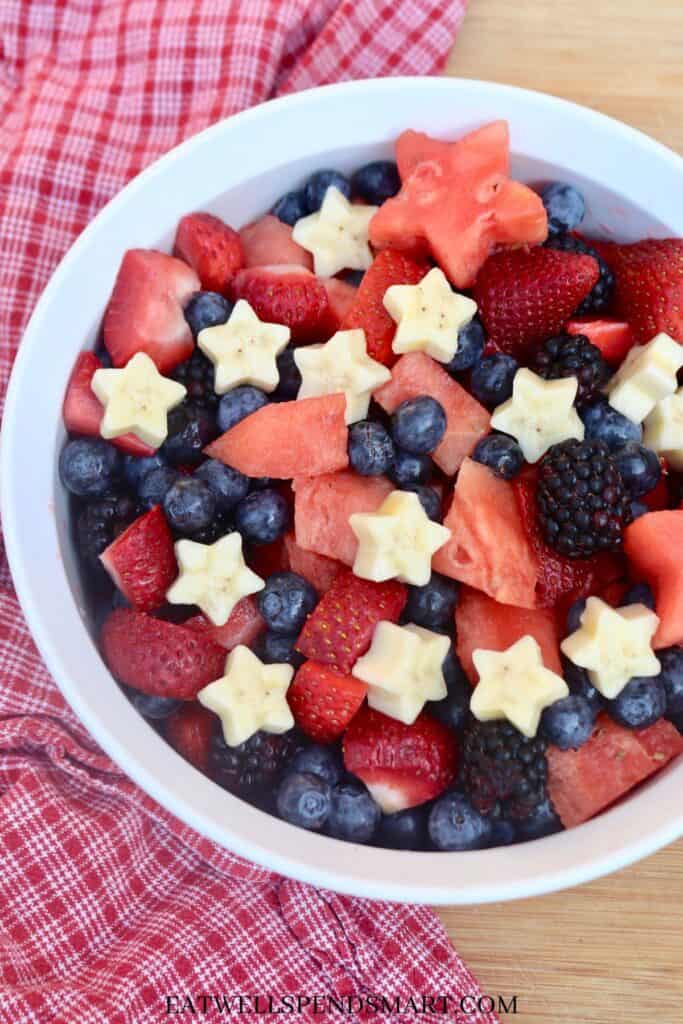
column 190, row 730
column 141, row 561
column 614, row 760
column 342, row 296
column 212, row 248
column 614, row 338
column 286, row 439
column 653, row 545
column 488, row 548
column 265, row 559
column 323, row 504
column 243, row 626
column 288, row 295
column 268, row 242
column 467, row 421
column 324, row 701
column 319, row 570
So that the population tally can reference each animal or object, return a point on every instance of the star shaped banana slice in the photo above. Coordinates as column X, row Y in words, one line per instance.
column 244, row 350
column 429, row 316
column 249, row 697
column 213, row 576
column 337, row 235
column 614, row 645
column 137, row 400
column 342, row 364
column 647, row 375
column 515, row 684
column 664, row 430
column 403, row 669
column 397, row 541
column 540, row 413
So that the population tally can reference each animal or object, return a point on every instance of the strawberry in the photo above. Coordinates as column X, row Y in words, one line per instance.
column 289, row 295
column 368, row 312
column 649, row 285
column 268, row 242
column 159, row 658
column 525, row 296
column 82, row 410
column 402, row 765
column 339, row 631
column 243, row 626
column 189, row 730
column 212, row 248
column 141, row 561
column 145, row 311
column 323, row 701
column 614, row 338
column 342, row 295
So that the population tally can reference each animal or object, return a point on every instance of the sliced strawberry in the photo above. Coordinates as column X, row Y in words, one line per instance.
column 402, row 765
column 243, row 626
column 340, row 629
column 323, row 701
column 211, row 247
column 614, row 338
column 526, row 295
column 145, row 311
column 368, row 312
column 141, row 561
column 288, row 295
column 268, row 242
column 189, row 730
column 342, row 296
column 159, row 658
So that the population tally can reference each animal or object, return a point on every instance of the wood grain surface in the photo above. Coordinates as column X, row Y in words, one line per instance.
column 611, row 951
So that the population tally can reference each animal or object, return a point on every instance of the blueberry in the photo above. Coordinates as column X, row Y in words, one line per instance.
column 418, row 424
column 90, row 467
column 155, row 485
column 354, row 815
column 471, row 341
column 155, row 708
column 503, row 833
column 642, row 702
column 237, row 404
column 206, row 309
column 405, row 830
column 291, row 207
column 190, row 429
column 278, row 649
column 564, row 205
column 286, row 601
column 353, row 277
column 432, row 605
column 574, row 614
column 260, row 483
column 304, row 800
column 501, row 454
column 189, row 505
column 639, row 467
column 454, row 709
column 376, row 182
column 318, row 184
column 671, row 676
column 227, row 485
column 262, row 517
column 135, row 467
column 455, row 825
column 603, row 423
column 637, row 509
column 579, row 683
column 371, row 450
column 290, row 378
column 492, row 377
column 324, row 762
column 408, row 470
column 640, row 593
column 568, row 723
column 677, row 720
column 543, row 821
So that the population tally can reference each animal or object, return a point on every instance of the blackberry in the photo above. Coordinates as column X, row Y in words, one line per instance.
column 504, row 772
column 582, row 503
column 255, row 766
column 99, row 522
column 599, row 298
column 570, row 355
column 197, row 374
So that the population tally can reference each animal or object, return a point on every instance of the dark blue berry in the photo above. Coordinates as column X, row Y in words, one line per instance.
column 471, row 341
column 432, row 605
column 640, row 468
column 543, row 821
column 286, row 601
column 492, row 377
column 155, row 708
column 290, row 378
column 637, row 509
column 642, row 702
column 603, row 423
column 354, row 815
column 260, row 483
column 353, row 277
column 190, row 429
column 455, row 825
column 227, row 485
column 671, row 677
column 324, row 762
column 640, row 593
column 189, row 505
column 237, row 404
column 291, row 207
column 503, row 833
column 677, row 720
column 90, row 467
column 376, row 182
column 371, row 450
column 430, row 501
column 304, row 800
column 574, row 614
column 454, row 709
column 135, row 467
column 207, row 309
column 408, row 470
column 564, row 205
column 154, row 485
column 578, row 681
column 418, row 424
column 405, row 830
column 262, row 517
column 501, row 454
column 568, row 723
column 318, row 184
column 278, row 648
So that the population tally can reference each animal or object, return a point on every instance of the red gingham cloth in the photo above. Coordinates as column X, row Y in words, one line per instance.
column 107, row 903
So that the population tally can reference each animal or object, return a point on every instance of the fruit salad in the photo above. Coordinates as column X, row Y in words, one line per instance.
column 377, row 500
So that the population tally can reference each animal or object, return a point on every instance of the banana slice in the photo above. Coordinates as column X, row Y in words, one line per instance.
column 664, row 430
column 337, row 235
column 429, row 316
column 244, row 350
column 137, row 400
column 341, row 365
column 213, row 576
column 647, row 375
column 540, row 413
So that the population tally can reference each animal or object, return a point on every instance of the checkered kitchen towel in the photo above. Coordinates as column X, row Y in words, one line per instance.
column 107, row 903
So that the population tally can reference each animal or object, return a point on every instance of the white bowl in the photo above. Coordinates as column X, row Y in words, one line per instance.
column 237, row 169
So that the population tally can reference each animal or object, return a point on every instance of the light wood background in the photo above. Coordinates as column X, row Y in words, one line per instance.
column 610, row 952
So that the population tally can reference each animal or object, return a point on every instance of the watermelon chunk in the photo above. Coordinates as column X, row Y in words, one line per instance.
column 268, row 242
column 319, row 570
column 243, row 626
column 614, row 338
column 653, row 544
column 466, row 420
column 583, row 782
column 488, row 548
column 282, row 440
column 323, row 504
column 482, row 622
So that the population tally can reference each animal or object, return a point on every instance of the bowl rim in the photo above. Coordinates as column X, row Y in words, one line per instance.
column 366, row 870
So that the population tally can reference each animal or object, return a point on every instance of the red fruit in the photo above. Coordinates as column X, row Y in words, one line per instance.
column 265, row 559
column 211, row 247
column 459, row 197
column 659, row 497
column 339, row 631
column 323, row 701
column 402, row 765
column 342, row 296
column 288, row 295
column 367, row 310
column 243, row 626
column 649, row 285
column 268, row 242
column 319, row 570
column 583, row 782
column 157, row 657
column 141, row 561
column 653, row 545
column 82, row 410
column 145, row 311
column 614, row 338
column 189, row 730
column 323, row 504
column 286, row 439
column 526, row 295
